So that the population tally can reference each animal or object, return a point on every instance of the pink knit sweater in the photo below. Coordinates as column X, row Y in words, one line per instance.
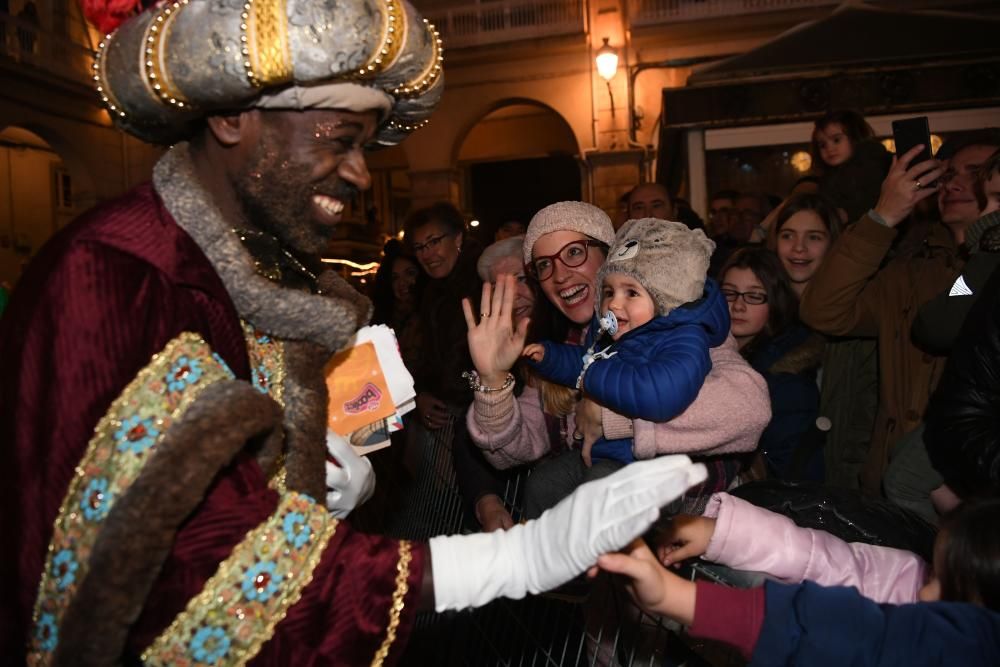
column 728, row 416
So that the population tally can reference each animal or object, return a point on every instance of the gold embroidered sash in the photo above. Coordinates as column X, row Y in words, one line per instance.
column 250, row 593
column 122, row 443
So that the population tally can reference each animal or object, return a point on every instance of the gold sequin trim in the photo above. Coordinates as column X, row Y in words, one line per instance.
column 398, row 601
column 393, row 36
column 251, row 592
column 267, row 58
column 123, row 441
column 101, row 79
column 267, row 375
column 431, row 73
column 157, row 77
column 267, row 362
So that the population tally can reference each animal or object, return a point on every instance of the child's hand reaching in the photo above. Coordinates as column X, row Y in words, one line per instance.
column 536, row 351
column 687, row 537
column 654, row 588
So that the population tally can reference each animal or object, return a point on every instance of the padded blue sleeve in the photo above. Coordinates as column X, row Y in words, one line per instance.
column 808, row 624
column 562, row 363
column 657, row 385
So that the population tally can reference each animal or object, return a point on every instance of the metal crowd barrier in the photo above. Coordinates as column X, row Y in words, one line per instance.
column 583, row 623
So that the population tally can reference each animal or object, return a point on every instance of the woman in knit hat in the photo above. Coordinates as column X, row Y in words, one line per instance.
column 647, row 356
column 564, row 248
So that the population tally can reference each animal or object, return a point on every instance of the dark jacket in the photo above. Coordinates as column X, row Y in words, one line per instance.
column 940, row 319
column 807, row 624
column 963, row 422
column 788, row 364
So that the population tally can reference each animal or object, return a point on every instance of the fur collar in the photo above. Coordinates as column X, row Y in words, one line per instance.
column 328, row 320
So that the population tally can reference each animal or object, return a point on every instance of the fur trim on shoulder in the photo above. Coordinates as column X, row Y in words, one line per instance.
column 139, row 531
column 803, row 357
column 305, row 399
column 328, row 320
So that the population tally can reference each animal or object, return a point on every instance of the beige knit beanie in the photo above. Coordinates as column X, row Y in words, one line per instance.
column 572, row 216
column 669, row 260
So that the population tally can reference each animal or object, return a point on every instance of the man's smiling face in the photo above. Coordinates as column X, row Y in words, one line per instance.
column 305, row 169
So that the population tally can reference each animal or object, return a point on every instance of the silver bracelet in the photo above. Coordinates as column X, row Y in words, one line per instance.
column 476, row 385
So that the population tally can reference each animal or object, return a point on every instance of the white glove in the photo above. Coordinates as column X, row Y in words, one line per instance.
column 352, row 482
column 599, row 517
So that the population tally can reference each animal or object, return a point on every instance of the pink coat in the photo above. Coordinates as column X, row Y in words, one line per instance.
column 728, row 416
column 748, row 537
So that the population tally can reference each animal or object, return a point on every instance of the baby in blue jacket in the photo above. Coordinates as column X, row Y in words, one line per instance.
column 646, row 355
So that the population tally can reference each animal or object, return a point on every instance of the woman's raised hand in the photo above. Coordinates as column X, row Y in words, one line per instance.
column 494, row 343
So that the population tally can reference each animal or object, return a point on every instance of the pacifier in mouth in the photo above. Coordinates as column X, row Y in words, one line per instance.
column 609, row 323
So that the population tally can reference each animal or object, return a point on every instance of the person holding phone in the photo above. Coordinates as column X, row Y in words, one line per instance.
column 850, row 295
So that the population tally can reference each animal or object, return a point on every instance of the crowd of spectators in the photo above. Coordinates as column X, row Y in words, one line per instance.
column 845, row 299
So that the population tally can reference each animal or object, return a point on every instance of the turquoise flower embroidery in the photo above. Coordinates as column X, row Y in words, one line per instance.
column 136, row 435
column 209, row 645
column 46, row 632
column 297, row 531
column 184, row 373
column 64, row 568
column 261, row 581
column 222, row 362
column 96, row 499
column 263, row 339
column 261, row 379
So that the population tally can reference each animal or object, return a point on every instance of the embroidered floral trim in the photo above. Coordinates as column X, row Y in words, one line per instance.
column 122, row 442
column 253, row 589
column 267, row 363
column 267, row 373
column 398, row 601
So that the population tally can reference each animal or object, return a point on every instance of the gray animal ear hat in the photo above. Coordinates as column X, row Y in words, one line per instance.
column 669, row 260
column 571, row 216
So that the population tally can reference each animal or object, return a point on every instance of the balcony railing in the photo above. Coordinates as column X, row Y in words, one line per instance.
column 28, row 43
column 649, row 12
column 508, row 21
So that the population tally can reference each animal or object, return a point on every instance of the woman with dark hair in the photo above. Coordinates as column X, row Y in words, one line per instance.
column 764, row 312
column 396, row 292
column 436, row 236
column 806, row 227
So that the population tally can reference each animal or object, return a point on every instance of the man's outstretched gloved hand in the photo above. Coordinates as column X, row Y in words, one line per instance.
column 599, row 517
column 350, row 483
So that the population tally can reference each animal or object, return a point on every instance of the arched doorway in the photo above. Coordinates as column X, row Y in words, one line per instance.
column 516, row 160
column 39, row 194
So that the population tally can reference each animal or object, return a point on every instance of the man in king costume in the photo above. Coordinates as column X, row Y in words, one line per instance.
column 162, row 402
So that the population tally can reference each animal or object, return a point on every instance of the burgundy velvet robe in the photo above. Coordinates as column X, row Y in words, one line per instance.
column 100, row 299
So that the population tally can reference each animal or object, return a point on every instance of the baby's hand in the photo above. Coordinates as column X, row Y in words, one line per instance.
column 687, row 537
column 536, row 351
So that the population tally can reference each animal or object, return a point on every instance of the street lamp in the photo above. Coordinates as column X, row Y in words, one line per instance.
column 607, row 61
column 607, row 67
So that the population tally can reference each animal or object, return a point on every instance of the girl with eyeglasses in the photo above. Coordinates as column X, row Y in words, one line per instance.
column 763, row 308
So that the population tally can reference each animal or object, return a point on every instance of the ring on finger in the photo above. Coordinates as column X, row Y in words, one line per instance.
column 578, row 436
column 481, row 315
column 917, row 185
